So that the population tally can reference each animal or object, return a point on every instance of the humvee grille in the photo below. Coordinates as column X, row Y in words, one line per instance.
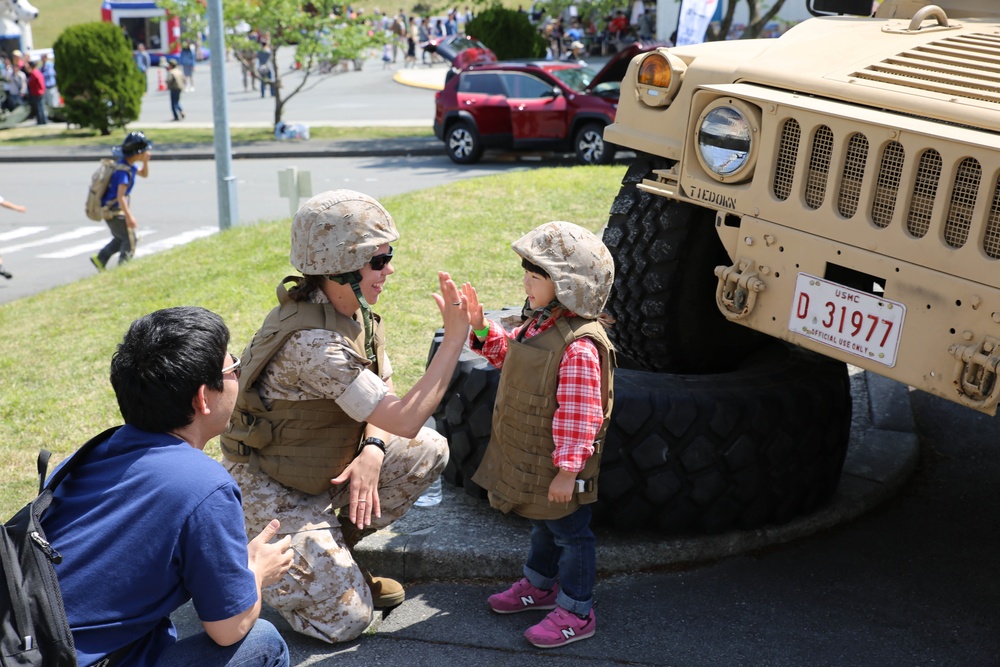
column 966, row 66
column 789, row 147
column 819, row 166
column 960, row 183
column 853, row 175
column 890, row 168
column 924, row 190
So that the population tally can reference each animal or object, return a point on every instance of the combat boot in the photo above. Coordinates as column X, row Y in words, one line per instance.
column 385, row 592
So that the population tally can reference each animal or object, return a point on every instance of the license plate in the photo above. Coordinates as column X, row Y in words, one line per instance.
column 855, row 322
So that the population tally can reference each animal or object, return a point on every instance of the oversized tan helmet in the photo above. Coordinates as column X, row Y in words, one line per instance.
column 578, row 262
column 338, row 231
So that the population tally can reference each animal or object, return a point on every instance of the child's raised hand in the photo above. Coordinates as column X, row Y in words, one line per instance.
column 476, row 318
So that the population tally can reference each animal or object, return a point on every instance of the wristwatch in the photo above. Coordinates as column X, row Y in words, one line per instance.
column 372, row 440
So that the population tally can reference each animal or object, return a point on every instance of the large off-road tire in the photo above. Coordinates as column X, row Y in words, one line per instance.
column 663, row 297
column 463, row 144
column 759, row 444
column 590, row 146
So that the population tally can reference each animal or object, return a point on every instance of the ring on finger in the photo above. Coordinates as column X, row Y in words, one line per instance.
column 457, row 303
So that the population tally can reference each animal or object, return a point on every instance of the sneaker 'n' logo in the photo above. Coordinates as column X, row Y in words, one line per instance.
column 527, row 600
column 568, row 633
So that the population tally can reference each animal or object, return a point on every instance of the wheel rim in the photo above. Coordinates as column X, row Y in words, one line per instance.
column 591, row 146
column 460, row 143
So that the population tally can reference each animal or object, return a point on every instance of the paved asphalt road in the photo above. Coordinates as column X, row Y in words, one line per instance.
column 51, row 244
column 366, row 96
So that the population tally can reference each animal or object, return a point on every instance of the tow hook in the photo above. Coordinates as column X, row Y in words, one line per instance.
column 738, row 287
column 976, row 372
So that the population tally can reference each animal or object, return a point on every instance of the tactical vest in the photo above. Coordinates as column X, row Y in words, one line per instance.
column 517, row 467
column 302, row 444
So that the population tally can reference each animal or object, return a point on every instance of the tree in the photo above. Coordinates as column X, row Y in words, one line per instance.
column 755, row 23
column 99, row 82
column 320, row 35
column 507, row 32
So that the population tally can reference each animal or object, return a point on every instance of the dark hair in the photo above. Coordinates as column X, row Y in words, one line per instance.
column 533, row 268
column 305, row 287
column 162, row 361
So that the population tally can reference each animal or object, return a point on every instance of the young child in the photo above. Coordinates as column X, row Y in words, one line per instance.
column 386, row 56
column 551, row 413
column 14, row 207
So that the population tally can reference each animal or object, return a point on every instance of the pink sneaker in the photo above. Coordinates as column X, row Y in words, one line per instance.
column 522, row 596
column 561, row 627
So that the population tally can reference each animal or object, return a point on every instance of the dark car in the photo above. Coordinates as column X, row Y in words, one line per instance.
column 544, row 105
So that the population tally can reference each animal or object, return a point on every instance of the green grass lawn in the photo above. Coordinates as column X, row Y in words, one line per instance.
column 56, row 135
column 57, row 346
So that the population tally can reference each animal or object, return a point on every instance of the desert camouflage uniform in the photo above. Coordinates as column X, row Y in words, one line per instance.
column 324, row 595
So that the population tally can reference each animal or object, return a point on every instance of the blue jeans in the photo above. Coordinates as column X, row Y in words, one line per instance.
column 565, row 550
column 262, row 647
column 175, row 104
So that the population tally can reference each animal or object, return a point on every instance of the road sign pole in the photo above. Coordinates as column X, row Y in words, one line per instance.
column 226, row 186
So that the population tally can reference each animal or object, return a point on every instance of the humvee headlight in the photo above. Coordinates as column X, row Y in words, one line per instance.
column 658, row 78
column 726, row 145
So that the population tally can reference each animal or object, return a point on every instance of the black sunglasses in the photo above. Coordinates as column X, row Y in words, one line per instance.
column 378, row 262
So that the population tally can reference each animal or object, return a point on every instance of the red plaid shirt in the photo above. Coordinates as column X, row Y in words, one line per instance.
column 579, row 412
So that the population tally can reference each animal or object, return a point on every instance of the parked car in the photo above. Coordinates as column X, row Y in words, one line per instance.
column 461, row 51
column 535, row 105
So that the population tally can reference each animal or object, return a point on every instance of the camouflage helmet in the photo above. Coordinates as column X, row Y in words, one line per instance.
column 338, row 231
column 578, row 262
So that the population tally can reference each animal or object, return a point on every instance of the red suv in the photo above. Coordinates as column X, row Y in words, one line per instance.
column 545, row 105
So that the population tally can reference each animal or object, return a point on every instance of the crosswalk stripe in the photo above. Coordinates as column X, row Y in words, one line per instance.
column 87, row 248
column 77, row 233
column 21, row 232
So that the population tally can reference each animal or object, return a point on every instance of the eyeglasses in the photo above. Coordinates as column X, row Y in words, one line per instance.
column 236, row 367
column 378, row 262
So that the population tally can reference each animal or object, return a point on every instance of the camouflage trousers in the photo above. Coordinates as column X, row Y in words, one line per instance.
column 324, row 594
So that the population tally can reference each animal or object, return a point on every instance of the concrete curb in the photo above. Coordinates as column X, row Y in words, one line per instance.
column 463, row 538
column 411, row 146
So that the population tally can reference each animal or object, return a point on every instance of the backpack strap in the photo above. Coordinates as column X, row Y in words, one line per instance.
column 44, row 499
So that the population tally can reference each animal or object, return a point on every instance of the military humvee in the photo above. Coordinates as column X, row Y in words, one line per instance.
column 837, row 188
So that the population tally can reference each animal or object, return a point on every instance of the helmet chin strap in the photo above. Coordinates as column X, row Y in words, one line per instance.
column 354, row 279
column 540, row 314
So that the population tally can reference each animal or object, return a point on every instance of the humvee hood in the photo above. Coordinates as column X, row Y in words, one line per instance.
column 950, row 74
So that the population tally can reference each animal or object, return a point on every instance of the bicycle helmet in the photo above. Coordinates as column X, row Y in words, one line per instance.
column 134, row 143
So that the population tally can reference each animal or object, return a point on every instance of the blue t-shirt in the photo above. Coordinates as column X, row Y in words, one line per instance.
column 118, row 177
column 147, row 523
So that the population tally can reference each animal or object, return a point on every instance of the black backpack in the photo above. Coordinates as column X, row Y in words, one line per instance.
column 33, row 626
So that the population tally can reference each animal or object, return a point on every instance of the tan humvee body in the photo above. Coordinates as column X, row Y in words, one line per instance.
column 874, row 165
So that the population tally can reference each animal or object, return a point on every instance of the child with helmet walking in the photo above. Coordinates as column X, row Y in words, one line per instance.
column 133, row 157
column 551, row 414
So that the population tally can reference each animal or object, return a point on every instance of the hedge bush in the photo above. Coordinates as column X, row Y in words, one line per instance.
column 507, row 32
column 99, row 82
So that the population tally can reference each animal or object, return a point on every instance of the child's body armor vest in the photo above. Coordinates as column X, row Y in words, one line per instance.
column 302, row 444
column 517, row 467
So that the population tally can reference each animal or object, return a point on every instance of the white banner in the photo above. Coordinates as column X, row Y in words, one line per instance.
column 694, row 19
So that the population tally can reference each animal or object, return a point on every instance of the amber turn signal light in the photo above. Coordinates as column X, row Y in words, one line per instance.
column 655, row 71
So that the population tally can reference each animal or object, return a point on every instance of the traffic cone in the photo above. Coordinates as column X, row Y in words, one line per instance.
column 160, row 83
